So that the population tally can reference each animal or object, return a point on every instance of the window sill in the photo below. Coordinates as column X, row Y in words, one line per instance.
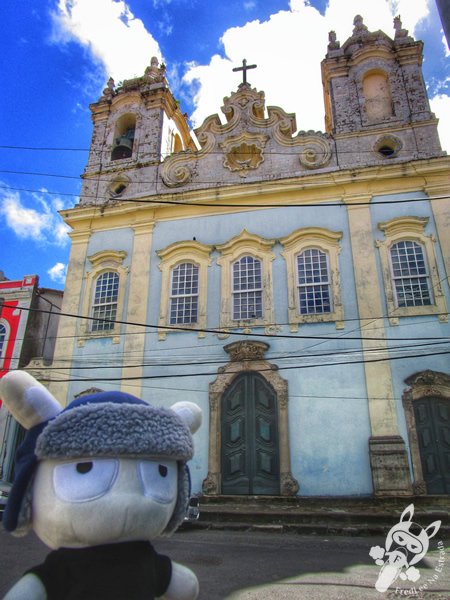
column 95, row 335
column 418, row 311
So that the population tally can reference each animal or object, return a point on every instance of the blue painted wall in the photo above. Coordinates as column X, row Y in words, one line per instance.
column 329, row 423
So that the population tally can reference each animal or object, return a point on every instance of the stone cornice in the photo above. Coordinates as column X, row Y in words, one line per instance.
column 313, row 188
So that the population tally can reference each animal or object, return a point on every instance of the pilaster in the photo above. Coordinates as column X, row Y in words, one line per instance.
column 134, row 343
column 69, row 322
column 389, row 462
column 439, row 193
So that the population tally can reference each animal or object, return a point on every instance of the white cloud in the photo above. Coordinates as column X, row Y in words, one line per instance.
column 288, row 49
column 440, row 105
column 26, row 223
column 39, row 222
column 110, row 31
column 58, row 273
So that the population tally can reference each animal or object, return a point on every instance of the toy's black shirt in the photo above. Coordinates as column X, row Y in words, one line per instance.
column 126, row 571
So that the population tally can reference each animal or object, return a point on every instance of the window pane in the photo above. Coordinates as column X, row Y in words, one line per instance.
column 412, row 291
column 104, row 305
column 410, row 274
column 247, row 288
column 247, row 305
column 2, row 338
column 313, row 282
column 184, row 294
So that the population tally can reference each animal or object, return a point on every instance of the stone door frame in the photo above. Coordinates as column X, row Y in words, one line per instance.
column 247, row 356
column 422, row 385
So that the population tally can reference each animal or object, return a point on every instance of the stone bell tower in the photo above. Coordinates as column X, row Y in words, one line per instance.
column 136, row 125
column 376, row 104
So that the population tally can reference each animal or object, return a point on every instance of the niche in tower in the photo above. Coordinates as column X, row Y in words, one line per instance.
column 124, row 137
column 377, row 96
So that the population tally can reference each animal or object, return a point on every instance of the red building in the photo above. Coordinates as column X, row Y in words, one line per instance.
column 29, row 318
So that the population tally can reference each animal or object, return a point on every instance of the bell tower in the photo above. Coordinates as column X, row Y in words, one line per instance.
column 136, row 125
column 376, row 103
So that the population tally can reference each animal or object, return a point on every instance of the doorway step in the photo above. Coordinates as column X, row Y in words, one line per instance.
column 319, row 515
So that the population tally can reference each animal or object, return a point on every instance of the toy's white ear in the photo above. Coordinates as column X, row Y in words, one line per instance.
column 407, row 514
column 432, row 529
column 190, row 414
column 28, row 401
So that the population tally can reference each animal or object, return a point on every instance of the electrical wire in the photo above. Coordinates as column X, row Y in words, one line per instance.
column 87, row 364
column 221, row 330
column 187, row 152
column 213, row 373
column 214, row 204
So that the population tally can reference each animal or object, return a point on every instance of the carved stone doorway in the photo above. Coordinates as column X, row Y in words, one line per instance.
column 249, row 430
column 427, row 411
column 433, row 432
column 247, row 367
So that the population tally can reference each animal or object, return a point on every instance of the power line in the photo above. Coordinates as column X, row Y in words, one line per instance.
column 221, row 330
column 209, row 374
column 117, row 201
column 76, row 363
column 189, row 153
column 124, row 334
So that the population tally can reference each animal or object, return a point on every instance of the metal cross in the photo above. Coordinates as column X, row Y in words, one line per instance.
column 244, row 70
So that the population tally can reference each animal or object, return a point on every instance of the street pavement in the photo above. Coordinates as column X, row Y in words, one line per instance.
column 263, row 565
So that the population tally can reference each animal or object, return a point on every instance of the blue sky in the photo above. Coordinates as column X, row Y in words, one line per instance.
column 58, row 54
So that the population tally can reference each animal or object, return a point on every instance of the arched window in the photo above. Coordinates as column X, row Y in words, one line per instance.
column 312, row 261
column 124, row 137
column 184, row 267
column 104, row 303
column 3, row 341
column 246, row 281
column 247, row 289
column 412, row 281
column 104, row 296
column 184, row 294
column 377, row 96
column 313, row 282
column 410, row 277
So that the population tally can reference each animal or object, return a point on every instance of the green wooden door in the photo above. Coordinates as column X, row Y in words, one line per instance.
column 433, row 431
column 250, row 451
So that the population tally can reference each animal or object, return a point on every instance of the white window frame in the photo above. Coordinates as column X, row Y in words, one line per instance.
column 104, row 306
column 328, row 242
column 181, row 294
column 311, row 285
column 103, row 262
column 256, row 291
column 5, row 341
column 412, row 229
column 246, row 244
column 189, row 251
column 406, row 280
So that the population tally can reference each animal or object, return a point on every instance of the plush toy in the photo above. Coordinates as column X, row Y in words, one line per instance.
column 97, row 481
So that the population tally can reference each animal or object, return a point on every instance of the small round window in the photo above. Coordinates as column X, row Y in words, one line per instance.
column 388, row 146
column 386, row 151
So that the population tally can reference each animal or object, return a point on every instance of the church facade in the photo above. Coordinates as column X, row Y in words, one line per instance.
column 294, row 285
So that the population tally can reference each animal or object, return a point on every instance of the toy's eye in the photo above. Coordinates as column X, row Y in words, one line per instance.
column 81, row 481
column 400, row 538
column 415, row 546
column 159, row 479
column 84, row 467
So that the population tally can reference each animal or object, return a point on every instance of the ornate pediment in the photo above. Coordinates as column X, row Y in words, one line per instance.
column 179, row 169
column 243, row 152
column 246, row 350
column 239, row 145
